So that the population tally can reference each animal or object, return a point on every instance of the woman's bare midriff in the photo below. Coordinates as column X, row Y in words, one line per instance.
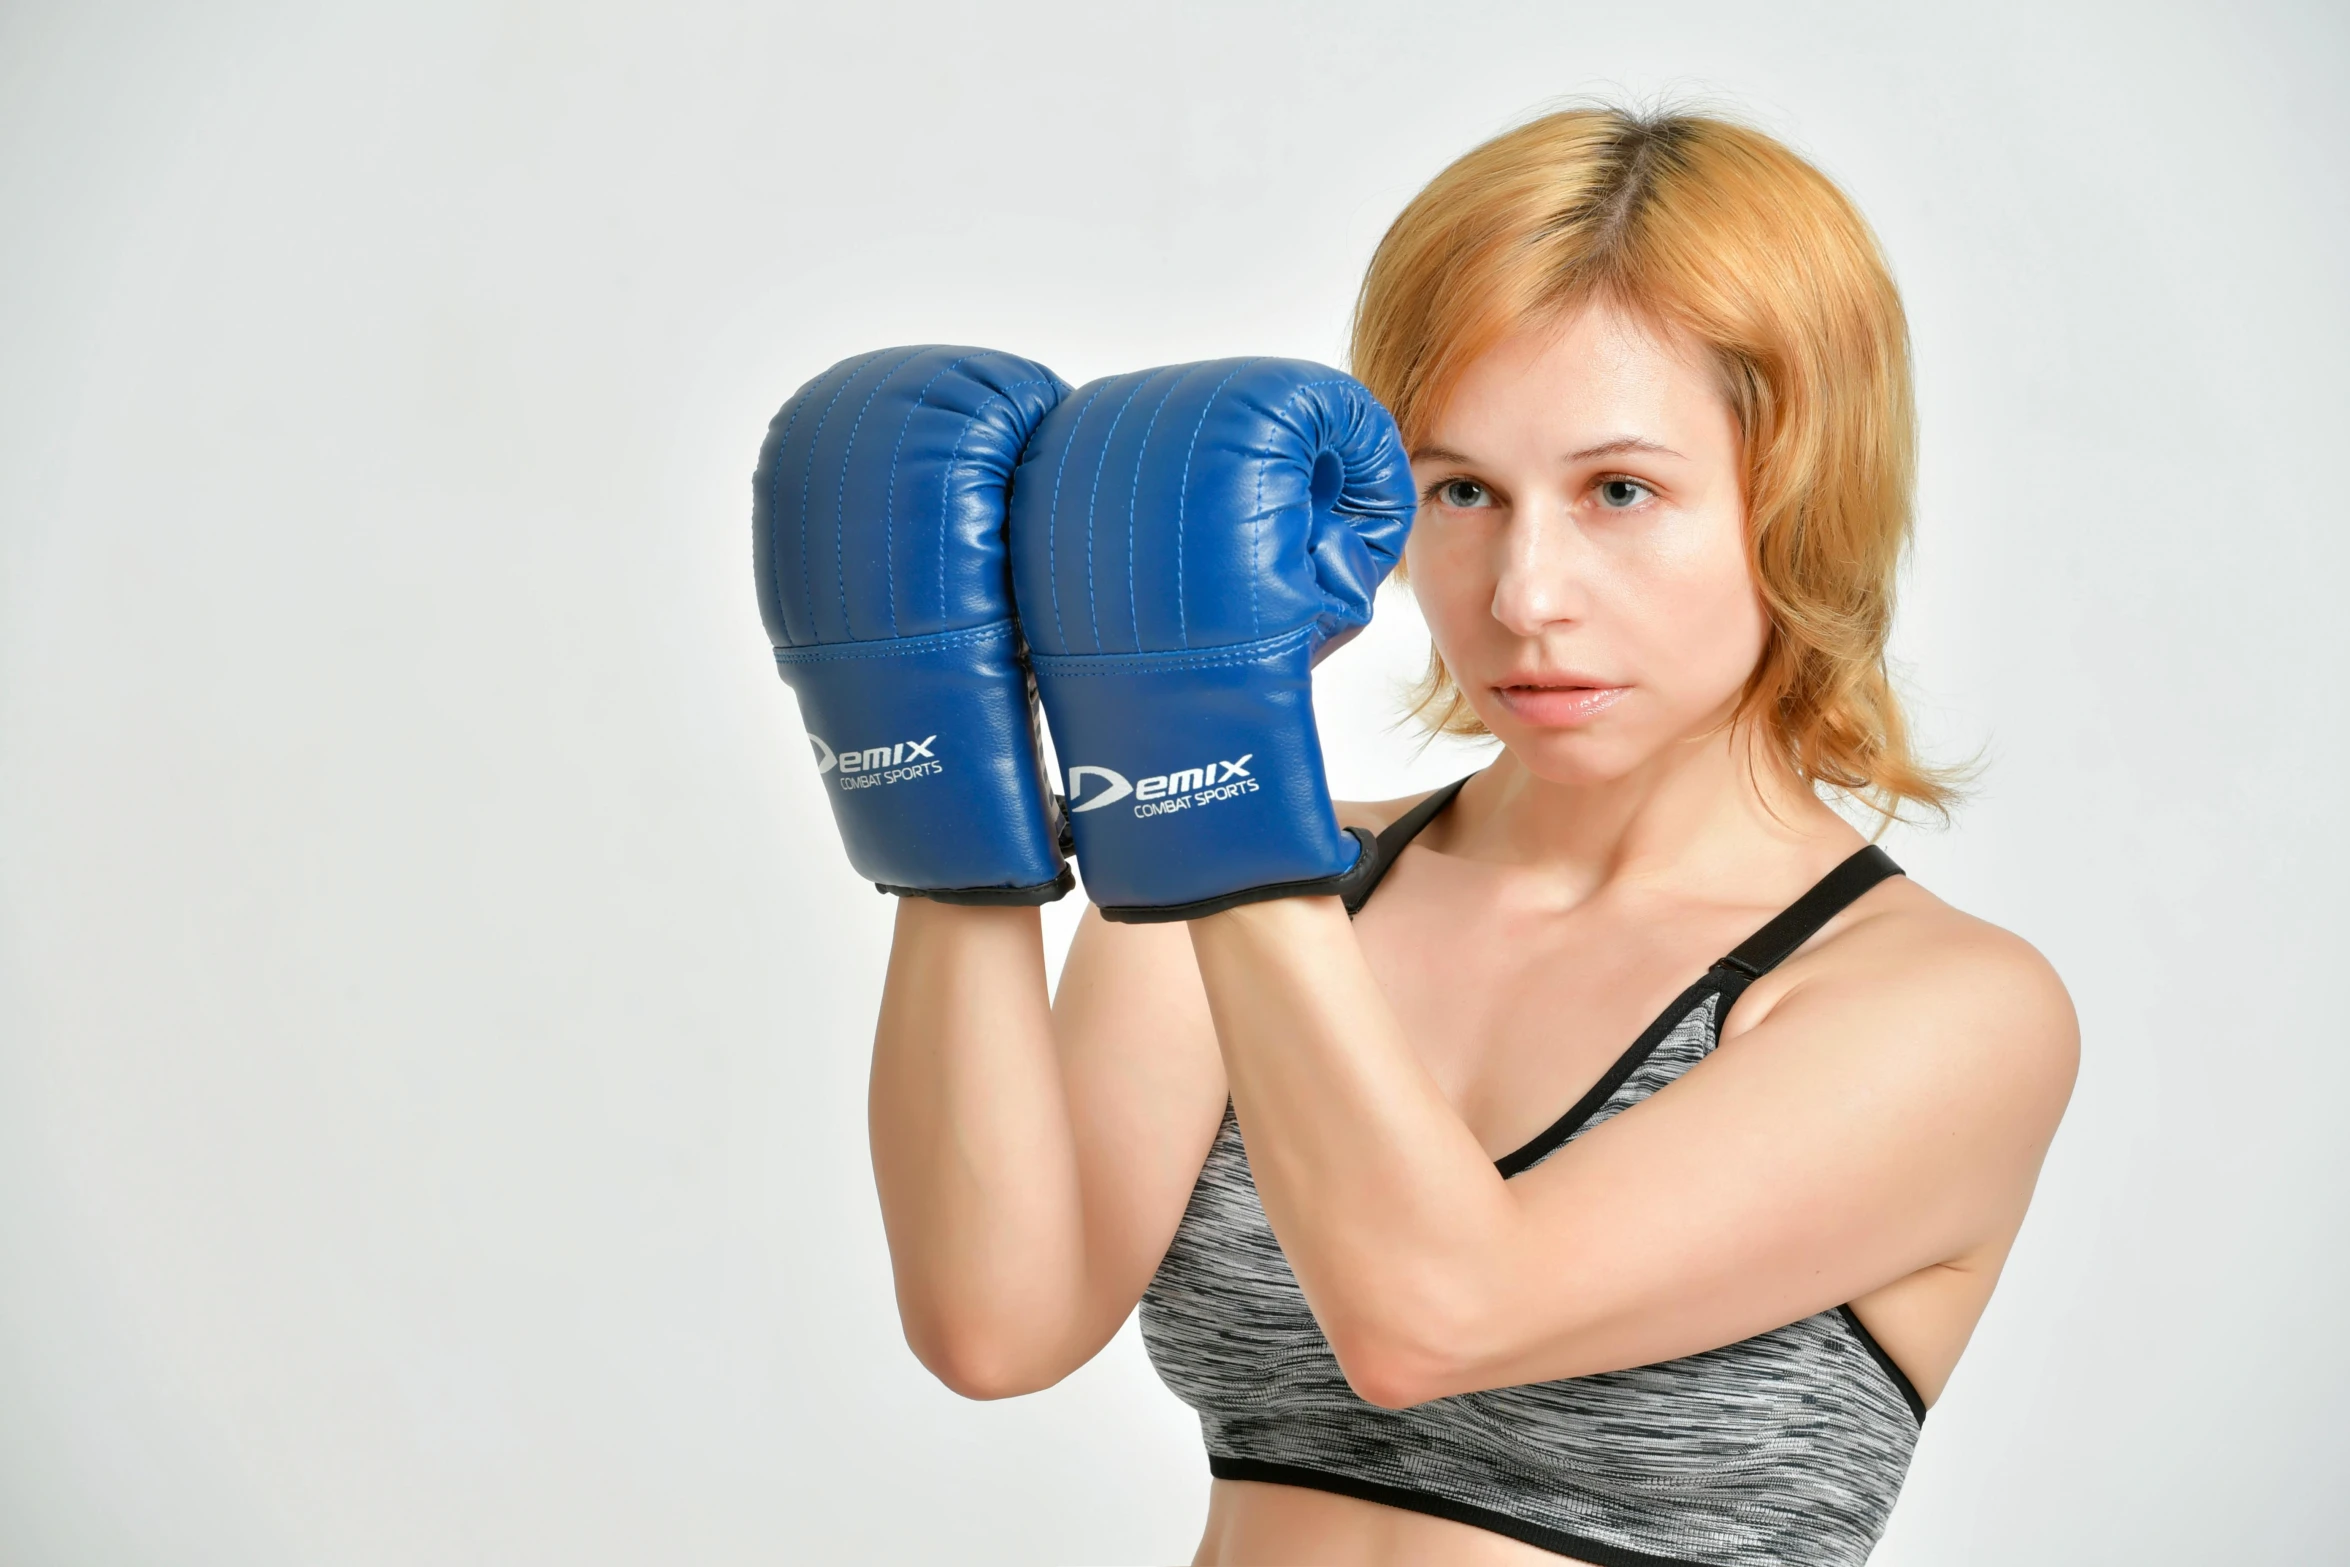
column 1251, row 1524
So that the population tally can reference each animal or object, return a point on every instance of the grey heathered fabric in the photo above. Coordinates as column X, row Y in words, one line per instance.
column 1786, row 1448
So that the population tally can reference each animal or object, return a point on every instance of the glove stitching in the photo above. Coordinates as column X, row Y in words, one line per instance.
column 1092, row 612
column 1085, row 664
column 840, row 518
column 808, row 473
column 889, row 501
column 1052, row 531
column 955, row 460
column 894, row 647
column 1183, row 497
column 774, row 478
column 1134, row 498
column 1256, row 530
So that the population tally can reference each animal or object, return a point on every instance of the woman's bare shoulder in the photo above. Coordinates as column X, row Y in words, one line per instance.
column 1983, row 994
column 1913, row 928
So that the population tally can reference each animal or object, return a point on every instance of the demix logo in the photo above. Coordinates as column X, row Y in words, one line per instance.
column 1114, row 788
column 1161, row 792
column 879, row 764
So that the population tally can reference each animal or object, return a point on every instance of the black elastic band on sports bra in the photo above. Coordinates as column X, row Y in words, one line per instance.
column 1399, row 832
column 1899, row 1378
column 1772, row 945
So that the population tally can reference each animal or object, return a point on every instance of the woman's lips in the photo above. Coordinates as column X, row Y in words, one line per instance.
column 1558, row 707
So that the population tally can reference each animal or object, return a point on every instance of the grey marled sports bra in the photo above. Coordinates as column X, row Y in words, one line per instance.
column 1788, row 1447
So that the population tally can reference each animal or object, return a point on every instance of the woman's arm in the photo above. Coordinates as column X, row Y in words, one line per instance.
column 1889, row 1113
column 1032, row 1160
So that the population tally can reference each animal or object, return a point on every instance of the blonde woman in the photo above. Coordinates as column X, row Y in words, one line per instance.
column 1623, row 1181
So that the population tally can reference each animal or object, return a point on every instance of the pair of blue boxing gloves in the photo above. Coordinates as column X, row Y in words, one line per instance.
column 944, row 537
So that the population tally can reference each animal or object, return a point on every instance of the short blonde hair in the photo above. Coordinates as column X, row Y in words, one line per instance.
column 1710, row 228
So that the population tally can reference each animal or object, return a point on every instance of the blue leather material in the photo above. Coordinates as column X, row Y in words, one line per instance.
column 1187, row 543
column 928, row 747
column 878, row 541
column 1226, row 793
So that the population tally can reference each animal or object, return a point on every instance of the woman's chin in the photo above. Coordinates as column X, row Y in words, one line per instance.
column 1573, row 756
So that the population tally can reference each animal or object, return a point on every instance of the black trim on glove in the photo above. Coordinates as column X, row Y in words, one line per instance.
column 1348, row 884
column 985, row 897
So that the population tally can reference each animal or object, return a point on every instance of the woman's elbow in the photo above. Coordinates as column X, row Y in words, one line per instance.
column 1388, row 1369
column 979, row 1365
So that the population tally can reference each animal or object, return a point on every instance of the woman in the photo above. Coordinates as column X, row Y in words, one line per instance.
column 1555, row 1231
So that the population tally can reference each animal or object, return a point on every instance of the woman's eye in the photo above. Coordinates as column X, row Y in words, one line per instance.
column 1462, row 494
column 1617, row 494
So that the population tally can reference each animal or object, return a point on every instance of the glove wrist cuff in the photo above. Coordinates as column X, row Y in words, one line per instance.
column 990, row 897
column 1345, row 885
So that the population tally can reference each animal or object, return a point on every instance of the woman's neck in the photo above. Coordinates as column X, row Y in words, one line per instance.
column 1708, row 805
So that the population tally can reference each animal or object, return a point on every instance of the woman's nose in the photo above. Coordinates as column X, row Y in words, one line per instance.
column 1535, row 583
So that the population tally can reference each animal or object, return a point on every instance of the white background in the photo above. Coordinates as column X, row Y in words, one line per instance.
column 434, row 1008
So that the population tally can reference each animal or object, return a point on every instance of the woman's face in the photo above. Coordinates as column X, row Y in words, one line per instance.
column 1580, row 549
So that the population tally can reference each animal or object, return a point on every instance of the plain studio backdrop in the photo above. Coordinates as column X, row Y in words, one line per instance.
column 435, row 1009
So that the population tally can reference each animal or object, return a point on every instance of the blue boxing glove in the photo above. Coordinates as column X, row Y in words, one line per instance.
column 1186, row 544
column 877, row 533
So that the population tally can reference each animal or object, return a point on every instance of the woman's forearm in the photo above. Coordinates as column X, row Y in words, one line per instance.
column 973, row 1154
column 1385, row 1203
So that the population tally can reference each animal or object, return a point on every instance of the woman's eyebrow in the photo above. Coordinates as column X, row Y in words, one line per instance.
column 1622, row 443
column 1608, row 448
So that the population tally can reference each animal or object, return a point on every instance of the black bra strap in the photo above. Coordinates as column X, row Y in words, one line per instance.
column 1770, row 946
column 1400, row 832
column 1754, row 957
